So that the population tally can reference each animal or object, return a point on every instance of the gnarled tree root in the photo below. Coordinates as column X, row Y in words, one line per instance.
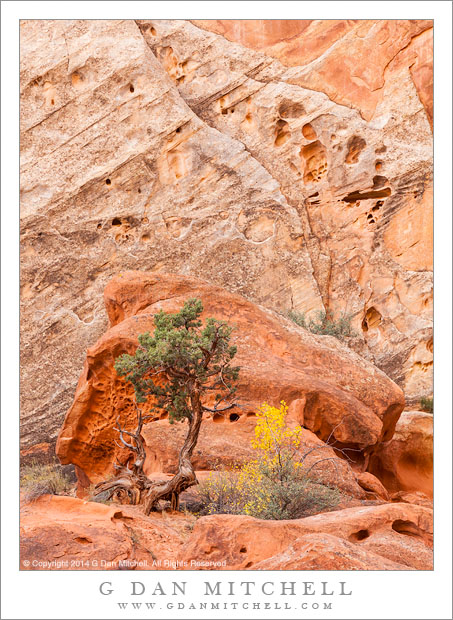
column 132, row 488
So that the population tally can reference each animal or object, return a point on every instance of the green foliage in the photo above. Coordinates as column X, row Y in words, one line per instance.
column 324, row 323
column 427, row 404
column 188, row 355
column 38, row 479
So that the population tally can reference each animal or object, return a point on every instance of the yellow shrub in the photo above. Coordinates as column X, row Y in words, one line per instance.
column 272, row 485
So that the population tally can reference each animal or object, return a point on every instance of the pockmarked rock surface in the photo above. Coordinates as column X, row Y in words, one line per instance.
column 405, row 463
column 358, row 56
column 401, row 533
column 330, row 390
column 239, row 154
column 326, row 552
column 65, row 533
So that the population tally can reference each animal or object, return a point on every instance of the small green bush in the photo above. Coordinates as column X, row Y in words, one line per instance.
column 427, row 404
column 324, row 323
column 37, row 479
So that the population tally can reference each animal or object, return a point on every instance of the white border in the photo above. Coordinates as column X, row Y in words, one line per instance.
column 375, row 594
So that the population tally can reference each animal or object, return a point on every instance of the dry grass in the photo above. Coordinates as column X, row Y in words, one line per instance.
column 39, row 479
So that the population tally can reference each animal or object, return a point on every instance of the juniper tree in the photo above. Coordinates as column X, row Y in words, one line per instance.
column 174, row 369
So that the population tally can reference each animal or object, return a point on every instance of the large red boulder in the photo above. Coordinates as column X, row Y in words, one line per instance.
column 330, row 390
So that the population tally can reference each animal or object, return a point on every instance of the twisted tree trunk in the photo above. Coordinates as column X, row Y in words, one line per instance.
column 135, row 487
column 185, row 476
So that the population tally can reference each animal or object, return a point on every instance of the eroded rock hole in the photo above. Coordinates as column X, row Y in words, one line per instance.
column 308, row 132
column 282, row 133
column 379, row 181
column 315, row 161
column 380, row 193
column 378, row 165
column 355, row 145
column 76, row 79
column 360, row 535
column 108, row 182
column 131, row 88
column 372, row 319
column 243, row 550
column 407, row 527
column 234, row 417
column 83, row 541
column 218, row 418
column 116, row 221
column 290, row 109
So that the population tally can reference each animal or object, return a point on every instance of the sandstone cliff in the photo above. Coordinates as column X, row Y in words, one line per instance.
column 287, row 162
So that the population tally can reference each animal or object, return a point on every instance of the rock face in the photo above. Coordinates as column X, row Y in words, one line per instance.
column 64, row 533
column 405, row 463
column 233, row 152
column 71, row 534
column 330, row 390
column 350, row 60
column 399, row 532
column 326, row 552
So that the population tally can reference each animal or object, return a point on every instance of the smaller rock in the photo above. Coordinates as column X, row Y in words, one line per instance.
column 405, row 463
column 372, row 486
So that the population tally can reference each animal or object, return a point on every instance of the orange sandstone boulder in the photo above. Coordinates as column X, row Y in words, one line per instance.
column 414, row 497
column 372, row 486
column 330, row 389
column 65, row 533
column 405, row 463
column 327, row 552
column 401, row 533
